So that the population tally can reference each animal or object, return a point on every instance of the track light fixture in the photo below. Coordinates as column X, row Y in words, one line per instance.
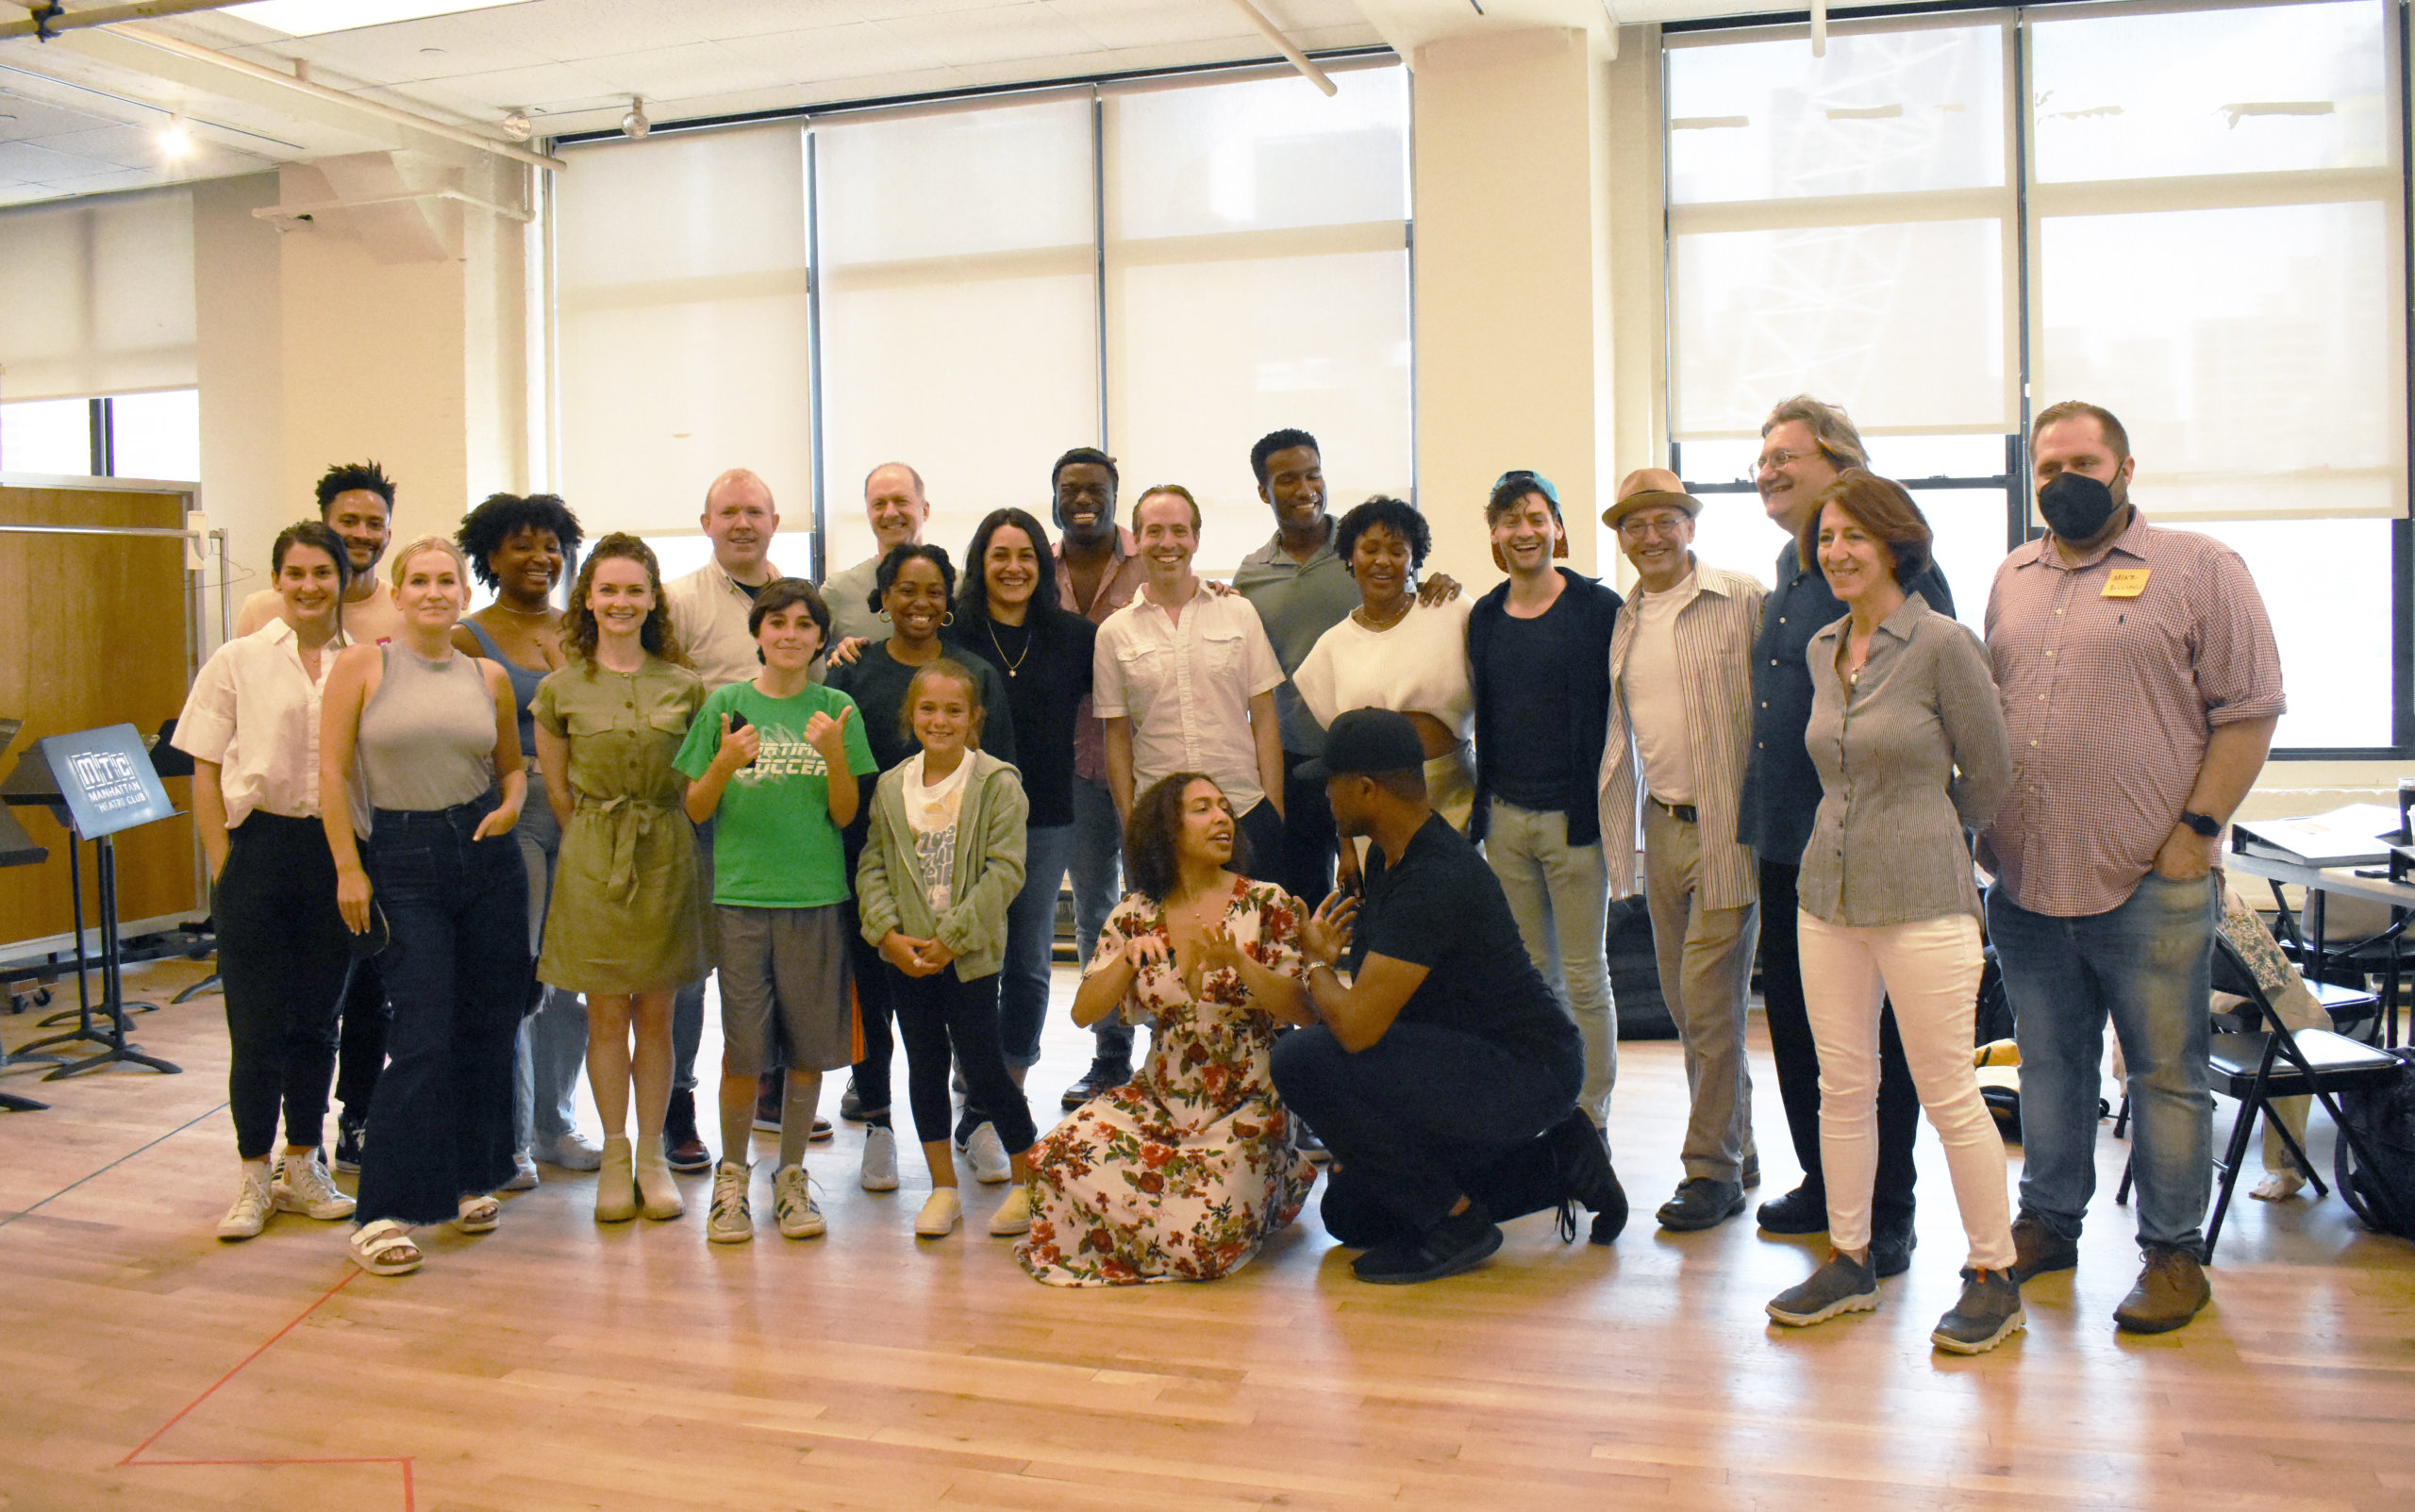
column 635, row 123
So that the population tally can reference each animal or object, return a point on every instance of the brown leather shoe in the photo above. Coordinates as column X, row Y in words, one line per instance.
column 2170, row 1291
column 2037, row 1249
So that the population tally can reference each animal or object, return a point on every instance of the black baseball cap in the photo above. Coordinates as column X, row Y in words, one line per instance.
column 1363, row 742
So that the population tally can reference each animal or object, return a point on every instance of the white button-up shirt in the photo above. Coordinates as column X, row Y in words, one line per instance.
column 1186, row 686
column 254, row 710
column 709, row 612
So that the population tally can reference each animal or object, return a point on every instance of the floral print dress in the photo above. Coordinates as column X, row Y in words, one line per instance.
column 1180, row 1174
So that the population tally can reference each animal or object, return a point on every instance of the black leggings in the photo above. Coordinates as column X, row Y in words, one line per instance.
column 933, row 1012
column 283, row 954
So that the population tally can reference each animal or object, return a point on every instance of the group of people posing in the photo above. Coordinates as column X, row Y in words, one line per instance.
column 857, row 805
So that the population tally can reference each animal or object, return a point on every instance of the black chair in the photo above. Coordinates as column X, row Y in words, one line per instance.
column 2255, row 1066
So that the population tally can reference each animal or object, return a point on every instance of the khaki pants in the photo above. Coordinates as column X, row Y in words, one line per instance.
column 1706, row 961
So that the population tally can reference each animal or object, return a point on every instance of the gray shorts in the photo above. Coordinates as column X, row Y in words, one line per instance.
column 784, row 971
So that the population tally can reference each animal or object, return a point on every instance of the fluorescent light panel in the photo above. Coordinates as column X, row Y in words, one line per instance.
column 308, row 18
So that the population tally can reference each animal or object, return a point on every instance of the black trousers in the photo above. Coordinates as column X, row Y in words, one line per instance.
column 1798, row 1063
column 362, row 1052
column 940, row 1013
column 1305, row 870
column 868, row 977
column 1405, row 1116
column 283, row 954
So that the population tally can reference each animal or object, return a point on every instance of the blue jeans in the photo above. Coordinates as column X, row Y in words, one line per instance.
column 1096, row 861
column 553, row 1041
column 2146, row 966
column 1031, row 938
column 457, row 975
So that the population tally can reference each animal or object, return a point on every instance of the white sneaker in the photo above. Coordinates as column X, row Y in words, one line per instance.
column 792, row 1204
column 307, row 1190
column 941, row 1215
column 573, row 1152
column 731, row 1220
column 524, row 1172
column 1013, row 1215
column 254, row 1202
column 880, row 1159
column 988, row 1154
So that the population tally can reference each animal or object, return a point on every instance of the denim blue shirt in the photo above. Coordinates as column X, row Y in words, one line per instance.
column 1781, row 786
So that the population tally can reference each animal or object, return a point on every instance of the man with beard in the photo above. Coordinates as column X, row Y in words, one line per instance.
column 1098, row 569
column 357, row 502
column 2140, row 686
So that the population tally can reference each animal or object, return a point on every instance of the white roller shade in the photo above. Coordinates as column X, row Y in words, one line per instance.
column 684, row 337
column 96, row 296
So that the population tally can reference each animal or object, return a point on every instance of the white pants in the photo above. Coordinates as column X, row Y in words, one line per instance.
column 1931, row 970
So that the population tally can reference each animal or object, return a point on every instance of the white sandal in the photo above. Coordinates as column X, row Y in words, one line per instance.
column 478, row 1215
column 384, row 1248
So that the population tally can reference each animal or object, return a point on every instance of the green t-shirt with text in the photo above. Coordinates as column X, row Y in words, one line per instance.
column 774, row 844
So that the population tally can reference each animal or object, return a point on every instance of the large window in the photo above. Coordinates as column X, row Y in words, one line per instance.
column 1168, row 268
column 2212, row 248
column 127, row 435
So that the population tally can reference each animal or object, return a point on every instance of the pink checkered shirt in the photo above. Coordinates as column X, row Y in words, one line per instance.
column 2108, row 702
column 1115, row 589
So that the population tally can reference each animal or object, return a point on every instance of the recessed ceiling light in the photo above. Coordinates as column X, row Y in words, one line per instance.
column 308, row 18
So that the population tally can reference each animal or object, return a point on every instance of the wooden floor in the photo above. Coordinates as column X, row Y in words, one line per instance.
column 555, row 1364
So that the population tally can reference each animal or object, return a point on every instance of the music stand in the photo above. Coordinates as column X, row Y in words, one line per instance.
column 103, row 779
column 167, row 762
column 17, row 848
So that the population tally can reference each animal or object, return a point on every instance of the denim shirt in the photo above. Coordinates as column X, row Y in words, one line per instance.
column 1781, row 787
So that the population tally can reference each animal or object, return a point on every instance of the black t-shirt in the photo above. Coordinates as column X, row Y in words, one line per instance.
column 1526, row 690
column 1442, row 908
column 1047, row 670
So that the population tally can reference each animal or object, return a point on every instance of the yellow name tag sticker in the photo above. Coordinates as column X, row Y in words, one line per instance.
column 2125, row 582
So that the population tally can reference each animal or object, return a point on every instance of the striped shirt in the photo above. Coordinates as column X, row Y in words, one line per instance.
column 2108, row 702
column 1715, row 631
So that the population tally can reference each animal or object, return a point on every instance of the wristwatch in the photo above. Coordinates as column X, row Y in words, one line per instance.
column 2205, row 824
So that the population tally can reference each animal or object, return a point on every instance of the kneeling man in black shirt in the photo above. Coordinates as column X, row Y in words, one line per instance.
column 1447, row 1051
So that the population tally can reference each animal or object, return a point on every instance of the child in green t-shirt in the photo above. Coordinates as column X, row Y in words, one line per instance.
column 778, row 759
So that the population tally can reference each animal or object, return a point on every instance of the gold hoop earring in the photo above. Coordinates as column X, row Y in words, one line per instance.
column 884, row 616
column 947, row 616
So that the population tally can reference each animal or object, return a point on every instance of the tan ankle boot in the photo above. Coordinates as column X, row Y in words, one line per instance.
column 616, row 1199
column 658, row 1194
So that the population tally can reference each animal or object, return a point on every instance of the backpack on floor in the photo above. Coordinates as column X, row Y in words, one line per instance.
column 2381, row 1194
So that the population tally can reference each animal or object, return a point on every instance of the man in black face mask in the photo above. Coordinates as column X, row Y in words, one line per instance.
column 2140, row 686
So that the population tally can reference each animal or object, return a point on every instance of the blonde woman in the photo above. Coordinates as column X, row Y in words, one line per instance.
column 435, row 739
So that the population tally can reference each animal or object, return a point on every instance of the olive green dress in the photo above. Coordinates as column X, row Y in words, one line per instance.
column 627, row 912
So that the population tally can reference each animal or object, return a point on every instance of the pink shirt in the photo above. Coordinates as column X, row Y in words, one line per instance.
column 1116, row 586
column 2107, row 704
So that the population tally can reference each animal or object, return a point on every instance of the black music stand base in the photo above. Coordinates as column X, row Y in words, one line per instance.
column 115, row 1047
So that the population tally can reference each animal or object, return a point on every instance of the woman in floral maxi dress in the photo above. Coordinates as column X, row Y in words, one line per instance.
column 1180, row 1174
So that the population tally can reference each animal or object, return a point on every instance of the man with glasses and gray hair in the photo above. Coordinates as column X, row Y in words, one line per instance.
column 1805, row 444
column 1680, row 724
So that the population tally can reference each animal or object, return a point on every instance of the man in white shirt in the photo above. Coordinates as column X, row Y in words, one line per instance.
column 1681, row 718
column 893, row 503
column 1184, row 681
column 709, row 611
column 357, row 502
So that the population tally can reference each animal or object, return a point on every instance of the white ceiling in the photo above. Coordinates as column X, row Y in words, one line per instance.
column 82, row 114
column 75, row 119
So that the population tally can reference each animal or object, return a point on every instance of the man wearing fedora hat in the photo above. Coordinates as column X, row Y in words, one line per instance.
column 1681, row 721
column 1444, row 1050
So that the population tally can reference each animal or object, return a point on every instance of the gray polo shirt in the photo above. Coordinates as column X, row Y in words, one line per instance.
column 1297, row 602
column 848, row 592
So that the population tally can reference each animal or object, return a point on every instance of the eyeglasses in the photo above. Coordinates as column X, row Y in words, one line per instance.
column 1772, row 461
column 1639, row 526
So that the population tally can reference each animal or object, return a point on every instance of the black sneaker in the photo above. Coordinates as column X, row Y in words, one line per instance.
column 1459, row 1242
column 682, row 1150
column 1804, row 1210
column 1891, row 1248
column 350, row 1135
column 1103, row 1075
column 1701, row 1203
column 1581, row 1155
column 851, row 1107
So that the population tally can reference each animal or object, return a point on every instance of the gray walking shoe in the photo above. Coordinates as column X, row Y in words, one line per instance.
column 1989, row 1313
column 1841, row 1285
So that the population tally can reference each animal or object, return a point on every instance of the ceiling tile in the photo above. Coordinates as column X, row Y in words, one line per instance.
column 1118, row 24
column 668, row 73
column 996, row 34
column 26, row 162
column 22, row 117
column 852, row 51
